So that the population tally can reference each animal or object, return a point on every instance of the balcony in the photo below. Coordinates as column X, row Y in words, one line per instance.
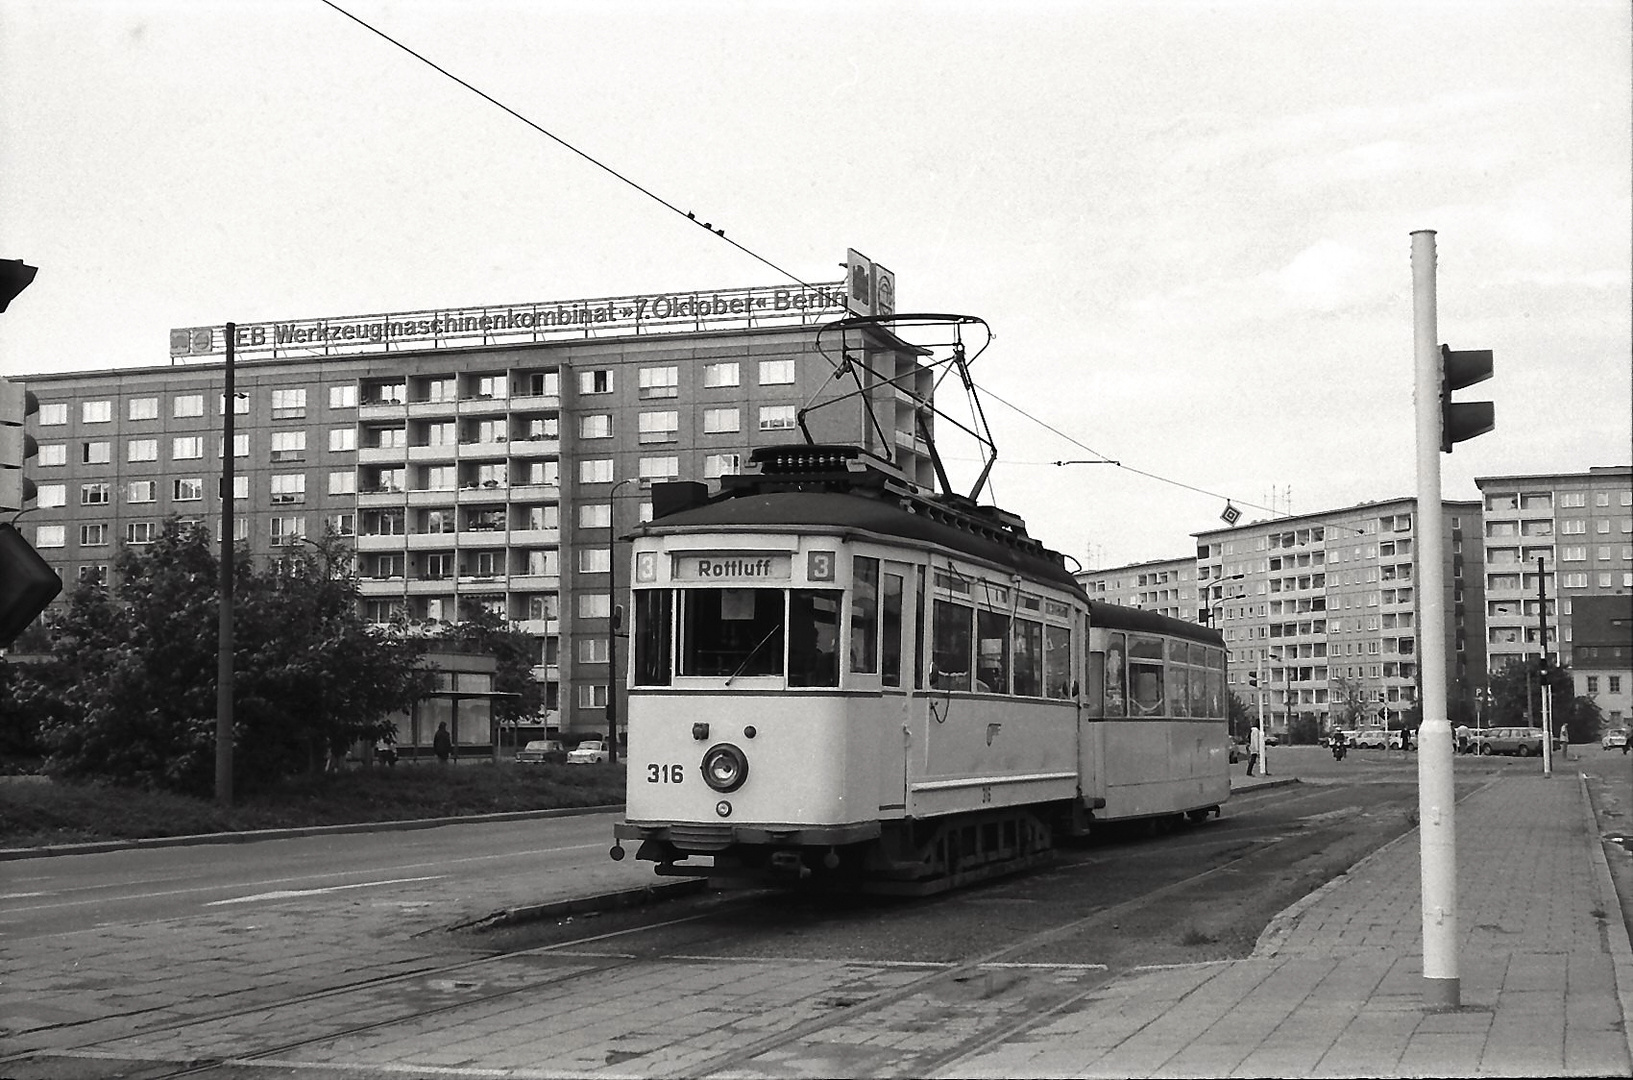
column 536, row 583
column 543, row 446
column 535, row 537
column 484, row 406
column 381, row 542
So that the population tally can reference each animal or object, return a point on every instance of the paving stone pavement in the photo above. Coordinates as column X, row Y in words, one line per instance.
column 1335, row 985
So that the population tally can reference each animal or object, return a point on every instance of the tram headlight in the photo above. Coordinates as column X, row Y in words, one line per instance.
column 725, row 767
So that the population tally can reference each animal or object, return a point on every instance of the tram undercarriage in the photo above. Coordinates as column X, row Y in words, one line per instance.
column 902, row 858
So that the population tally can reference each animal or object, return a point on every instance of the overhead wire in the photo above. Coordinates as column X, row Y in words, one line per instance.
column 720, row 233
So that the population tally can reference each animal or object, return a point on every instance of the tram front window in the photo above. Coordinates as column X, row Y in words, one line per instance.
column 731, row 632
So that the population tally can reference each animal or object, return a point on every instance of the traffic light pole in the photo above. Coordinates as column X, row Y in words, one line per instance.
column 1436, row 792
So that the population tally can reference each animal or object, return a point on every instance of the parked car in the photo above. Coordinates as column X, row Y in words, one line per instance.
column 1614, row 740
column 1518, row 741
column 588, row 752
column 1371, row 739
column 540, row 751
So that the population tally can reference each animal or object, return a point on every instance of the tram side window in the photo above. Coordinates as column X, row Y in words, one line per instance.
column 864, row 614
column 1199, row 680
column 1144, row 676
column 1057, row 663
column 1116, row 683
column 918, row 628
column 890, row 645
column 992, row 654
column 813, row 637
column 950, row 646
column 1028, row 658
column 1175, row 682
column 731, row 632
column 652, row 629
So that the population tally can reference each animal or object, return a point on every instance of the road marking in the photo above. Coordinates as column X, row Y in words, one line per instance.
column 287, row 894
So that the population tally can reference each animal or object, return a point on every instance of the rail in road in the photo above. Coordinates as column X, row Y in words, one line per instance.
column 735, row 984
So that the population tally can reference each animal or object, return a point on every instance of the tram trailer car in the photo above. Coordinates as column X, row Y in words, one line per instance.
column 837, row 678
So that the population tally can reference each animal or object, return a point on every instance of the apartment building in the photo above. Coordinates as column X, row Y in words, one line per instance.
column 1320, row 610
column 1165, row 586
column 488, row 456
column 1553, row 543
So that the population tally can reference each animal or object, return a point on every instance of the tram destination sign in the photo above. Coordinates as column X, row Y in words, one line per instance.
column 519, row 324
column 735, row 567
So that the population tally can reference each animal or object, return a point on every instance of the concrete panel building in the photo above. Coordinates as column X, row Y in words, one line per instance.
column 485, row 456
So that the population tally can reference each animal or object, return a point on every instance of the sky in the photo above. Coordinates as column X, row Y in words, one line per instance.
column 1188, row 224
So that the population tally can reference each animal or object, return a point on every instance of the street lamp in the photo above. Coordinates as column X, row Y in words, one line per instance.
column 613, row 617
column 224, row 637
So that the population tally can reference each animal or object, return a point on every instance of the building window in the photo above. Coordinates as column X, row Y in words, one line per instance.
column 140, row 532
column 240, row 446
column 343, row 482
column 186, row 447
column 288, row 404
column 717, row 465
column 659, row 427
column 594, row 560
column 95, row 412
column 93, row 494
column 55, row 415
column 185, row 405
column 544, row 384
column 96, row 453
column 595, row 382
column 49, row 496
column 592, row 650
column 343, row 397
column 342, row 439
column 288, row 446
column 93, row 535
column 52, row 454
column 286, row 530
column 659, row 468
column 776, row 417
column 343, row 524
column 776, row 372
column 1573, row 498
column 724, row 373
column 595, row 426
column 595, row 516
column 144, row 408
column 189, row 489
column 493, row 386
column 660, row 382
column 51, row 536
column 720, row 421
column 140, row 491
column 595, row 471
column 594, row 605
column 288, row 488
column 240, row 490
column 1573, row 553
column 92, row 574
column 1593, row 684
column 592, row 696
column 1615, row 682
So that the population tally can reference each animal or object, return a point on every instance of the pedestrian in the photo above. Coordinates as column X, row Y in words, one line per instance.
column 1406, row 739
column 443, row 743
column 1255, row 748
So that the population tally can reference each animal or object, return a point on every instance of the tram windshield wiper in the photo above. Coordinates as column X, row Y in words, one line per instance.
column 752, row 653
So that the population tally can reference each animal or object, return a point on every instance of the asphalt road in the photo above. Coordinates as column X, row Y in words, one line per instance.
column 335, row 955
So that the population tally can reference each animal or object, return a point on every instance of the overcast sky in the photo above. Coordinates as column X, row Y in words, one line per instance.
column 1187, row 223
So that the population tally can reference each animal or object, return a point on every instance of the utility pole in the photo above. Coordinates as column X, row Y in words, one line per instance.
column 1436, row 791
column 1545, row 672
column 224, row 666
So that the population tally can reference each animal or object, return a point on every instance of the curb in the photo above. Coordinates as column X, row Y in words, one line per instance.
column 255, row 835
column 1616, row 939
column 612, row 901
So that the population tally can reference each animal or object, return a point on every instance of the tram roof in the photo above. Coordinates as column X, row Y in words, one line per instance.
column 1117, row 617
column 838, row 511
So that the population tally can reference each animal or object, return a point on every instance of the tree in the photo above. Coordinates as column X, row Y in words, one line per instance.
column 133, row 670
column 1242, row 719
column 1347, row 704
column 1516, row 699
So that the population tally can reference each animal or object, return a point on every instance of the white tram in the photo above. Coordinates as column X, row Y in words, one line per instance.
column 836, row 677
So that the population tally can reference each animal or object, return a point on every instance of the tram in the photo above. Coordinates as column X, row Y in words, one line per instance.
column 840, row 679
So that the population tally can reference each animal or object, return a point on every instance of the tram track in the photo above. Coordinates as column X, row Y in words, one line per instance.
column 502, row 975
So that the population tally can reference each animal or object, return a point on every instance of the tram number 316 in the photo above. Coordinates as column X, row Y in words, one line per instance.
column 664, row 774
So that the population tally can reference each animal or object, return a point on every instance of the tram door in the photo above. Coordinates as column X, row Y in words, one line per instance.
column 900, row 593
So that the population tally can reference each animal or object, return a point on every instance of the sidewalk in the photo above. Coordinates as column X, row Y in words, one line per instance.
column 1335, row 987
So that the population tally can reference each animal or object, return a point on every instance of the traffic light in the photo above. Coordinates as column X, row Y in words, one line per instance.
column 1253, row 678
column 15, row 276
column 1544, row 670
column 27, row 584
column 16, row 445
column 1463, row 419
